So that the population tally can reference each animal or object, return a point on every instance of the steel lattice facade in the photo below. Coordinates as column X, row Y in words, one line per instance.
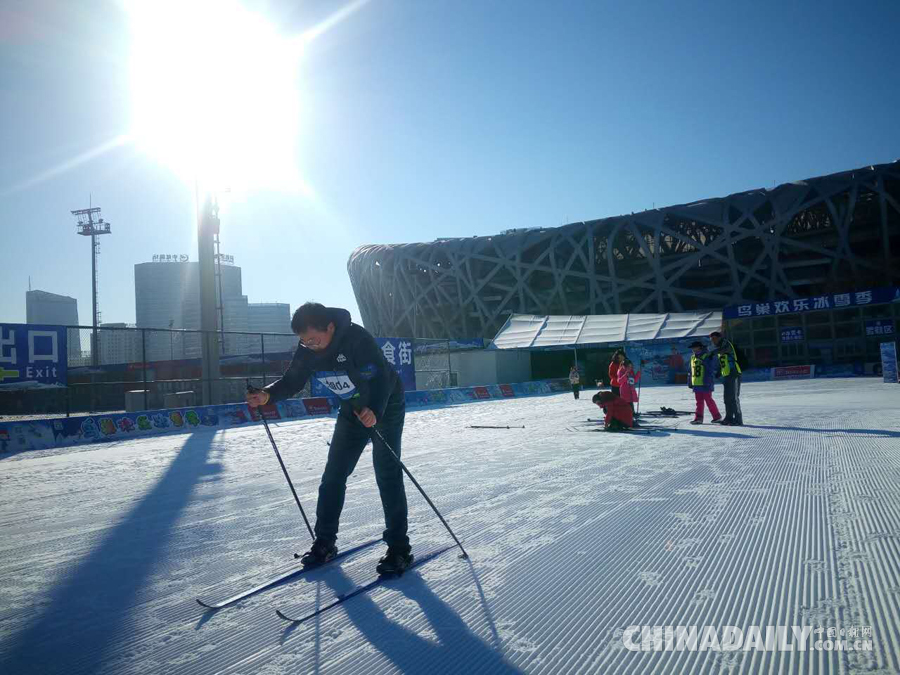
column 829, row 234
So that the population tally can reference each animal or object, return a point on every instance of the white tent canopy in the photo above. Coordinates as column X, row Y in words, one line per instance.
column 526, row 331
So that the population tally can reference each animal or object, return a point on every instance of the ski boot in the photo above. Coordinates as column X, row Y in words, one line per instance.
column 320, row 553
column 697, row 421
column 395, row 562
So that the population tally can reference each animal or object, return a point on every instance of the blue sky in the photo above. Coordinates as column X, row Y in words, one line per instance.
column 422, row 119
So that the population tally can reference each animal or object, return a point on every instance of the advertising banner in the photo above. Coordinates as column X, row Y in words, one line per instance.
column 32, row 356
column 889, row 362
column 663, row 362
column 874, row 296
column 793, row 334
column 879, row 327
column 793, row 372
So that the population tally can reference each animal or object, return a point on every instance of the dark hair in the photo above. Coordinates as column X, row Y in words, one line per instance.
column 627, row 362
column 715, row 333
column 310, row 315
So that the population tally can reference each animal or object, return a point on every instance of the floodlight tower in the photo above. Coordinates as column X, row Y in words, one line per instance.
column 90, row 224
column 208, row 230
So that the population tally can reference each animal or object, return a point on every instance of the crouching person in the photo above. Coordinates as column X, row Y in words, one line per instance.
column 618, row 415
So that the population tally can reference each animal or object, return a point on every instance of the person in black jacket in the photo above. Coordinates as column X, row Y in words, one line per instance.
column 346, row 359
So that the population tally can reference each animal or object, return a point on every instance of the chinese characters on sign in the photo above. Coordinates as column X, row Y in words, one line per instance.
column 820, row 302
column 792, row 334
column 399, row 353
column 174, row 257
column 32, row 355
column 879, row 327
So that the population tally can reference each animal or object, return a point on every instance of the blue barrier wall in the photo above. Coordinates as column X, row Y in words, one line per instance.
column 68, row 431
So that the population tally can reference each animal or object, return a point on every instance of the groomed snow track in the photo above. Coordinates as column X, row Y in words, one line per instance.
column 791, row 520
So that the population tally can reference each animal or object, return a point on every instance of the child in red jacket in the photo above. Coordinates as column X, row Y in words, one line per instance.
column 627, row 379
column 618, row 413
column 614, row 365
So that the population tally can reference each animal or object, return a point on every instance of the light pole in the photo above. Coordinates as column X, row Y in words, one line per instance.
column 90, row 224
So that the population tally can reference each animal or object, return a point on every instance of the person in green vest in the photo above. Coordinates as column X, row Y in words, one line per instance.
column 730, row 370
column 701, row 381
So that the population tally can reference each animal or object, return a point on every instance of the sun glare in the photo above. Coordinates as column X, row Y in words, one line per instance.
column 214, row 90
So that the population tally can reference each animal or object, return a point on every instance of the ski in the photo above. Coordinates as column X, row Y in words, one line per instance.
column 639, row 430
column 362, row 589
column 284, row 577
column 493, row 427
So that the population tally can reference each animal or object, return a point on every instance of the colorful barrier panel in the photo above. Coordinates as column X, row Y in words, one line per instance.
column 69, row 431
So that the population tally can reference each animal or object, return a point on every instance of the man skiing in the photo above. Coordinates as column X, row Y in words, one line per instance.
column 346, row 358
column 730, row 371
column 701, row 382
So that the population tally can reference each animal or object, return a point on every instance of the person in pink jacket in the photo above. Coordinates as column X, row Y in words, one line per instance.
column 627, row 379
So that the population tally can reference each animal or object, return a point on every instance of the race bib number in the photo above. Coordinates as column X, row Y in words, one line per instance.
column 338, row 382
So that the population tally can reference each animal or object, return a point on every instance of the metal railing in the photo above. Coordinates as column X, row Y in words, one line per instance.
column 147, row 364
column 138, row 368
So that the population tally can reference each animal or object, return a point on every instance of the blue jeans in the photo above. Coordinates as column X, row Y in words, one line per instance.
column 347, row 443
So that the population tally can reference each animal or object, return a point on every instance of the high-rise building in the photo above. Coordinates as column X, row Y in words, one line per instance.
column 167, row 295
column 56, row 310
column 235, row 311
column 118, row 345
column 50, row 308
column 272, row 317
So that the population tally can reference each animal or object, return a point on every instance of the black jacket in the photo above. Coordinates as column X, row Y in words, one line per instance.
column 352, row 366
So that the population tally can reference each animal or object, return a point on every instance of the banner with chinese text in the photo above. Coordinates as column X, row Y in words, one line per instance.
column 875, row 296
column 879, row 327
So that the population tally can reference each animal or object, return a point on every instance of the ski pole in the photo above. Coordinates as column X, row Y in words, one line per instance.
column 252, row 389
column 377, row 433
column 640, row 382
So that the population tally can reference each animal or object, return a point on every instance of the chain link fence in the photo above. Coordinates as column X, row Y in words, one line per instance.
column 123, row 368
column 433, row 367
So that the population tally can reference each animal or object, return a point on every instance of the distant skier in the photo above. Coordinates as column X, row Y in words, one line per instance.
column 701, row 381
column 346, row 359
column 617, row 359
column 627, row 380
column 575, row 380
column 730, row 370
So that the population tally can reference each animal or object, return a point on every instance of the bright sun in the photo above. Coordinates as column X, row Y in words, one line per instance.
column 215, row 95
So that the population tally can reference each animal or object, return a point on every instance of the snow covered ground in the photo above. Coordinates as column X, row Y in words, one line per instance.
column 791, row 520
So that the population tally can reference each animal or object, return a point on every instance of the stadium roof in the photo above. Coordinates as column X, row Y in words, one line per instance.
column 527, row 331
